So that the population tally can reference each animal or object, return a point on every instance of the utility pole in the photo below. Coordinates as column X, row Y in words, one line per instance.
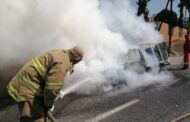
column 161, row 21
column 181, row 21
column 170, row 26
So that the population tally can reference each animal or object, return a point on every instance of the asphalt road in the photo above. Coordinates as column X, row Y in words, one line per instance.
column 148, row 104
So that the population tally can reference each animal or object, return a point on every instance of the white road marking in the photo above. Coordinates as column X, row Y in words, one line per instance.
column 113, row 111
column 182, row 117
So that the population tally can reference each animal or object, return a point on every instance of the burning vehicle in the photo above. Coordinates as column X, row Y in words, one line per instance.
column 147, row 58
column 151, row 57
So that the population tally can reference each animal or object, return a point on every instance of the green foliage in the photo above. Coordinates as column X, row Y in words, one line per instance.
column 142, row 4
column 164, row 16
column 187, row 25
column 178, row 47
column 185, row 3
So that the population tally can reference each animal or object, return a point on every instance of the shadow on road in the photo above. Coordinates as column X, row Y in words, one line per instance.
column 6, row 102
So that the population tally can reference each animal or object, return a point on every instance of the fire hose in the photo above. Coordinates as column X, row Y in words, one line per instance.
column 49, row 113
column 51, row 117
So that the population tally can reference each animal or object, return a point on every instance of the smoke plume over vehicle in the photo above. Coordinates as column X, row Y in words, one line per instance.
column 105, row 29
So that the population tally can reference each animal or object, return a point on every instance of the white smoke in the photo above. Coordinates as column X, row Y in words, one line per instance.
column 103, row 29
column 121, row 17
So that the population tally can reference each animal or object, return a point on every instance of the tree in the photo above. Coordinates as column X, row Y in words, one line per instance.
column 181, row 20
column 142, row 8
column 184, row 3
column 164, row 16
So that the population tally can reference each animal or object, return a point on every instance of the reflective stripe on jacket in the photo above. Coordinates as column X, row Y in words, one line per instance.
column 42, row 76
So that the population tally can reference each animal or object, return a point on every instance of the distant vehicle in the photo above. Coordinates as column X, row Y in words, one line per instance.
column 147, row 57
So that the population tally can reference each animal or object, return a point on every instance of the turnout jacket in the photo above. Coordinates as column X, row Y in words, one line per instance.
column 43, row 76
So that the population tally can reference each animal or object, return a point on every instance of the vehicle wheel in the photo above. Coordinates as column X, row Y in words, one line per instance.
column 148, row 69
column 161, row 66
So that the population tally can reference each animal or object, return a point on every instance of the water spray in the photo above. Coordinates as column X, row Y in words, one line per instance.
column 73, row 87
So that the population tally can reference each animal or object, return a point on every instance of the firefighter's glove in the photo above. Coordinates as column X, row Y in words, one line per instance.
column 47, row 108
column 51, row 108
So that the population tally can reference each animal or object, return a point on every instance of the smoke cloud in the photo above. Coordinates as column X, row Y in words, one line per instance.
column 103, row 28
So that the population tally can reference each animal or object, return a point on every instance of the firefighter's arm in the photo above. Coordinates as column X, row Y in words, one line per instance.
column 54, row 83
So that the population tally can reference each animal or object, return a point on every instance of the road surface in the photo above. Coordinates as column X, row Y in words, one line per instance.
column 148, row 104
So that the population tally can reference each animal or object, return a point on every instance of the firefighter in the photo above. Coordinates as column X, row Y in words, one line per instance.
column 39, row 81
column 186, row 52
